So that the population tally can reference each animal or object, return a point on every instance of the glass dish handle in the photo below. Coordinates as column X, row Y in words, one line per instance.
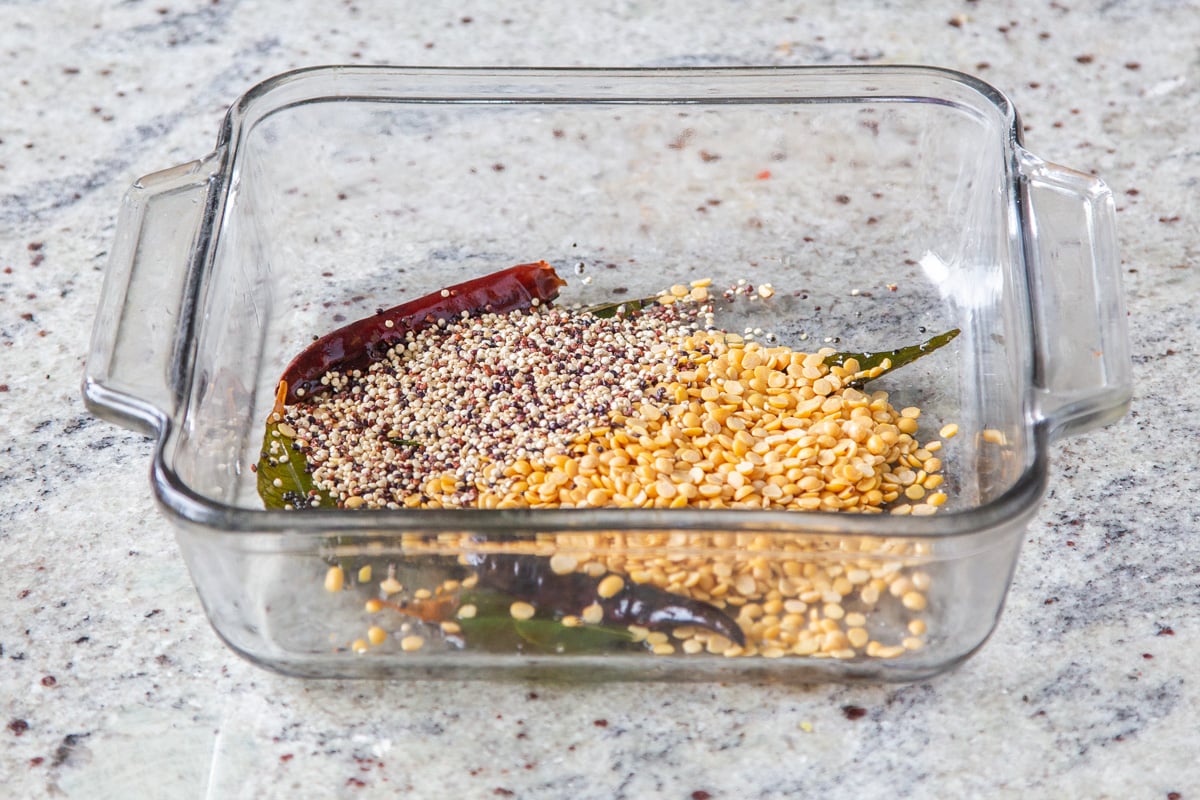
column 1079, row 315
column 132, row 374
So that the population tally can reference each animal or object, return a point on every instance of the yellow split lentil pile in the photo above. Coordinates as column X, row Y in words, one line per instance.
column 747, row 426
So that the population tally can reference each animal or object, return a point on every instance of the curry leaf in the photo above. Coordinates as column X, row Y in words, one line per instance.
column 881, row 362
column 283, row 477
column 493, row 628
column 622, row 307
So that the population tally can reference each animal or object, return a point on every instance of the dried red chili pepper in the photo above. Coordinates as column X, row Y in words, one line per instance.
column 356, row 345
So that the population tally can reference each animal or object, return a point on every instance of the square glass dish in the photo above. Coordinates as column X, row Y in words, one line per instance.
column 858, row 208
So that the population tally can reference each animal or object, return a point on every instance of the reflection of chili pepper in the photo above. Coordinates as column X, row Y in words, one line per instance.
column 356, row 345
column 435, row 610
column 530, row 578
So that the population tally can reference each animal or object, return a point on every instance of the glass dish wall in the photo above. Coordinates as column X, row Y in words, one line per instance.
column 879, row 205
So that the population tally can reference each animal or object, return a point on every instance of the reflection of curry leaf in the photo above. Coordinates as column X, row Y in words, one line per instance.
column 551, row 636
column 285, row 483
column 884, row 361
column 494, row 629
column 493, row 634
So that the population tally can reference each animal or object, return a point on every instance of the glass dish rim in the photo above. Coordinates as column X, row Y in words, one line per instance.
column 1019, row 502
column 181, row 501
column 238, row 113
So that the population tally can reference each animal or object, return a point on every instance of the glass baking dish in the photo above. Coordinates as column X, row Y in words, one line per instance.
column 876, row 204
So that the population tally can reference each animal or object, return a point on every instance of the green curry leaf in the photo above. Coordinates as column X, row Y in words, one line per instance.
column 890, row 360
column 621, row 307
column 493, row 628
column 286, row 483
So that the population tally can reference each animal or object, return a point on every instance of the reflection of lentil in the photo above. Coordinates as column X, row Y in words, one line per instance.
column 785, row 593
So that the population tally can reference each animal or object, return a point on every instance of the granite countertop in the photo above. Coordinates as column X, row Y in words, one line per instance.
column 112, row 683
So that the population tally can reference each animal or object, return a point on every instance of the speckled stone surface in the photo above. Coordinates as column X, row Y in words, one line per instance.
column 113, row 685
